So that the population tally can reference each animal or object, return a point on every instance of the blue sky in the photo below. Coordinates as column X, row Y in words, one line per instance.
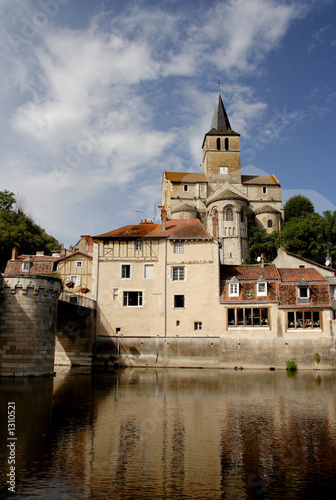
column 98, row 97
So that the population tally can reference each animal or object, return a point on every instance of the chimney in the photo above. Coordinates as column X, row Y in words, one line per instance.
column 15, row 253
column 262, row 260
column 163, row 218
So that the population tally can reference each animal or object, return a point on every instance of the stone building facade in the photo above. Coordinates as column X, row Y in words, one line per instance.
column 227, row 202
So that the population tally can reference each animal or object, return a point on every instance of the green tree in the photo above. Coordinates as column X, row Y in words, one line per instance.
column 18, row 230
column 7, row 200
column 305, row 236
column 298, row 206
column 263, row 243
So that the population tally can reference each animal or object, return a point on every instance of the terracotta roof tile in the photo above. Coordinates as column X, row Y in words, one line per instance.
column 175, row 229
column 297, row 274
column 40, row 264
column 250, row 272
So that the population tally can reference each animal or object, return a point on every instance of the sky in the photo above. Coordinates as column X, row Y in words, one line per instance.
column 99, row 97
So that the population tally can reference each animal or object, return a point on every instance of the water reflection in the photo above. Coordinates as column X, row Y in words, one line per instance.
column 173, row 434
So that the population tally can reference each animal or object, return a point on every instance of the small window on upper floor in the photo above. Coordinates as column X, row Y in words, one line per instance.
column 79, row 263
column 226, row 144
column 269, row 223
column 138, row 245
column 178, row 247
column 185, row 187
column 262, row 289
column 218, row 144
column 125, row 271
column 233, row 289
column 264, row 189
column 25, row 266
column 303, row 292
column 198, row 325
column 242, row 216
column 229, row 214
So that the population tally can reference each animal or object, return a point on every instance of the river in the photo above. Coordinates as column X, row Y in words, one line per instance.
column 176, row 434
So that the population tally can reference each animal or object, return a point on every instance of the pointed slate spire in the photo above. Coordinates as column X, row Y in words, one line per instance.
column 220, row 120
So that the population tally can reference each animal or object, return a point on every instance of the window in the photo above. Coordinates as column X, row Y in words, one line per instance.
column 303, row 293
column 79, row 263
column 226, row 144
column 149, row 271
column 198, row 325
column 218, row 144
column 25, row 267
column 233, row 290
column 178, row 273
column 262, row 289
column 264, row 189
column 178, row 247
column 76, row 279
column 185, row 187
column 178, row 301
column 229, row 214
column 233, row 287
column 125, row 271
column 269, row 223
column 303, row 319
column 248, row 317
column 242, row 216
column 132, row 299
column 138, row 245
column 178, row 323
column 333, row 292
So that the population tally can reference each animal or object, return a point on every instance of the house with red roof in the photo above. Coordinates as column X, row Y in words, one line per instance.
column 33, row 264
column 156, row 279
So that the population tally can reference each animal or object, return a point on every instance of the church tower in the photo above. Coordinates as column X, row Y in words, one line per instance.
column 221, row 149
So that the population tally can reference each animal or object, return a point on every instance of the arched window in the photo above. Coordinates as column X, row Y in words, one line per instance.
column 264, row 190
column 218, row 144
column 229, row 214
column 226, row 144
column 269, row 223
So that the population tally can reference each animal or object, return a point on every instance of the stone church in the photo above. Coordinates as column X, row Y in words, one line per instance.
column 227, row 203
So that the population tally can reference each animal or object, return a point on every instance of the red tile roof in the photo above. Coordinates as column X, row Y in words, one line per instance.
column 40, row 264
column 250, row 272
column 175, row 229
column 296, row 274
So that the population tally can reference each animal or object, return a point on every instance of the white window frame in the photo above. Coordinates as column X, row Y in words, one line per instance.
column 139, row 298
column 146, row 276
column 178, row 273
column 178, row 246
column 138, row 245
column 198, row 326
column 79, row 263
column 260, row 292
column 303, row 287
column 75, row 278
column 130, row 272
column 25, row 267
column 233, row 289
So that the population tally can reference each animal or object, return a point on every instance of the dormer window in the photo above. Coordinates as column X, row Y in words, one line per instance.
column 261, row 287
column 303, row 292
column 234, row 287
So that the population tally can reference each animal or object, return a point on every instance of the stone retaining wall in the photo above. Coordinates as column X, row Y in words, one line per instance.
column 214, row 352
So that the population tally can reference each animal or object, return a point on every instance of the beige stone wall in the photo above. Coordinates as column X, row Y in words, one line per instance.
column 157, row 315
column 255, row 193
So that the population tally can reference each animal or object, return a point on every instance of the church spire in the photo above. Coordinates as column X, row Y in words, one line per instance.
column 220, row 120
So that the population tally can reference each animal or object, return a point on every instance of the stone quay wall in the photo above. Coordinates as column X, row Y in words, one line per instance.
column 215, row 352
column 28, row 318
